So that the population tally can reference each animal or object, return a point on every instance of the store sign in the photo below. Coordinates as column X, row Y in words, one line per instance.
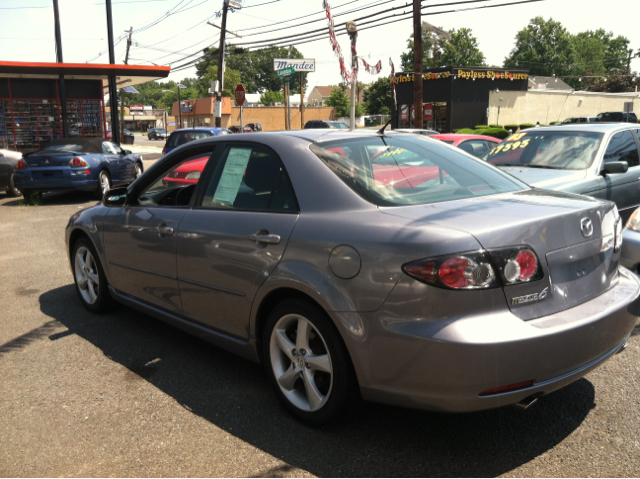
column 491, row 75
column 425, row 76
column 136, row 107
column 404, row 113
column 428, row 112
column 304, row 65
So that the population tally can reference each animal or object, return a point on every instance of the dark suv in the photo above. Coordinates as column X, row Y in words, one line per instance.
column 617, row 116
column 325, row 124
column 187, row 135
column 157, row 134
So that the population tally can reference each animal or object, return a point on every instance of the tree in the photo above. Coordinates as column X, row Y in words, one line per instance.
column 231, row 79
column 339, row 100
column 269, row 97
column 544, row 47
column 462, row 50
column 617, row 84
column 256, row 67
column 378, row 97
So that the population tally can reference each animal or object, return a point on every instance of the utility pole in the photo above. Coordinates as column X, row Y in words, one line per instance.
column 63, row 89
column 223, row 31
column 301, row 100
column 126, row 62
column 352, row 30
column 113, row 88
column 417, row 65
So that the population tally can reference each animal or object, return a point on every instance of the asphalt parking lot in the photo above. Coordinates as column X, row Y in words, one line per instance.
column 126, row 395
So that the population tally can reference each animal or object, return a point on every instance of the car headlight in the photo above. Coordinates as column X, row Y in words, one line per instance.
column 193, row 175
column 634, row 221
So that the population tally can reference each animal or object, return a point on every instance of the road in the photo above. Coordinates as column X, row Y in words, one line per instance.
column 125, row 395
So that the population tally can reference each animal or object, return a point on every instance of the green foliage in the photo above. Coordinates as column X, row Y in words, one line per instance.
column 499, row 133
column 271, row 97
column 151, row 93
column 461, row 51
column 465, row 131
column 481, row 127
column 513, row 128
column 544, row 47
column 339, row 100
column 378, row 97
column 231, row 80
column 524, row 126
column 617, row 84
column 256, row 67
column 359, row 110
column 497, row 126
column 554, row 122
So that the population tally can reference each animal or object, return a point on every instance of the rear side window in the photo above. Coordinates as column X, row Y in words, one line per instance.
column 622, row 147
column 250, row 178
column 180, row 138
column 474, row 147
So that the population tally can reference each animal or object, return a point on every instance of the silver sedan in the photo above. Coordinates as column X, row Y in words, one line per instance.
column 385, row 266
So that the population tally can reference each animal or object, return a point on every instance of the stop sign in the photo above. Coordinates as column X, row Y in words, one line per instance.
column 240, row 95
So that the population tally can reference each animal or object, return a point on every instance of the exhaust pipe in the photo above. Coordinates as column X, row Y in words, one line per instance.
column 623, row 347
column 527, row 402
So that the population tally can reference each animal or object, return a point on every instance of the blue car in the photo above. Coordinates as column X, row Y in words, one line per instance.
column 87, row 164
column 187, row 135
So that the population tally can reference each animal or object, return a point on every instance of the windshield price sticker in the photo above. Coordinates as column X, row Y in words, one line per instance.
column 232, row 174
column 512, row 143
column 390, row 152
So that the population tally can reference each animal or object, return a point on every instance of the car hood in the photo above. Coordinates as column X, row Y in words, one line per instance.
column 545, row 178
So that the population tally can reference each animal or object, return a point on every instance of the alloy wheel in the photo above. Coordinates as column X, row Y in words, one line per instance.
column 105, row 183
column 86, row 274
column 301, row 362
column 138, row 170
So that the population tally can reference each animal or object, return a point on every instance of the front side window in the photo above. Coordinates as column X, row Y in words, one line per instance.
column 108, row 148
column 250, row 178
column 563, row 150
column 408, row 170
column 622, row 147
column 175, row 186
column 474, row 147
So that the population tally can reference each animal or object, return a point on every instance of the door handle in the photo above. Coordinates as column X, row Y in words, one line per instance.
column 265, row 238
column 164, row 230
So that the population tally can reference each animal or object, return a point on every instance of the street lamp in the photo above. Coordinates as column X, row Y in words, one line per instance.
column 180, row 85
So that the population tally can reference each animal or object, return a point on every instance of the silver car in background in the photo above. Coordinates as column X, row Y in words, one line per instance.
column 374, row 264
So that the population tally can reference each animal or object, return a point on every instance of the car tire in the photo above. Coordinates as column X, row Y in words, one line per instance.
column 13, row 191
column 311, row 375
column 138, row 170
column 89, row 278
column 104, row 184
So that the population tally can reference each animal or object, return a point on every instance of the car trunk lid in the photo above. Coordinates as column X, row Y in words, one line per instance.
column 44, row 158
column 576, row 266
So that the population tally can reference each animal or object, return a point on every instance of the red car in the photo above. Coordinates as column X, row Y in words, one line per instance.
column 476, row 145
column 186, row 174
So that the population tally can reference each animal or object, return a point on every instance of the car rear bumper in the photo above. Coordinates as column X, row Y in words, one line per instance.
column 630, row 254
column 444, row 365
column 60, row 179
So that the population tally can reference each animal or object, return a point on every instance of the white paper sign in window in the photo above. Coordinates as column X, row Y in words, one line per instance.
column 232, row 174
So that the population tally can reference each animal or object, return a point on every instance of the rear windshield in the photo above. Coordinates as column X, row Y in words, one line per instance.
column 408, row 170
column 66, row 147
column 181, row 137
column 559, row 150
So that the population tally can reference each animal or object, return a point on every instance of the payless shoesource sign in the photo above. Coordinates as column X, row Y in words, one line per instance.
column 300, row 65
column 464, row 74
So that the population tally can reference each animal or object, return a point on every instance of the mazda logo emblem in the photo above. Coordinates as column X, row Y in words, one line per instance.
column 586, row 226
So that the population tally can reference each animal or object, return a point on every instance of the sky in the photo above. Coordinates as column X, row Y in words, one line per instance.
column 27, row 28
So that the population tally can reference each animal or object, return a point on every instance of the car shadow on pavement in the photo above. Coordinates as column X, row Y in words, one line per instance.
column 374, row 441
column 56, row 198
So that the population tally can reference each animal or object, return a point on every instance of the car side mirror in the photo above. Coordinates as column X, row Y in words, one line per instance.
column 115, row 197
column 614, row 167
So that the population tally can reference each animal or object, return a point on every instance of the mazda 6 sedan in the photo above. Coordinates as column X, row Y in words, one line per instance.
column 368, row 264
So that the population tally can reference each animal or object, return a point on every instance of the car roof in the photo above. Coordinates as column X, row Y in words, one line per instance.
column 597, row 127
column 462, row 136
column 200, row 128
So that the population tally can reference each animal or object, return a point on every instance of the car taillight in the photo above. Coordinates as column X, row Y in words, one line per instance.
column 508, row 387
column 477, row 270
column 78, row 163
column 465, row 271
column 21, row 165
column 164, row 151
column 517, row 264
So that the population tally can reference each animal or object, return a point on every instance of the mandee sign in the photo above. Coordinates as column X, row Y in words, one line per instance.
column 302, row 65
